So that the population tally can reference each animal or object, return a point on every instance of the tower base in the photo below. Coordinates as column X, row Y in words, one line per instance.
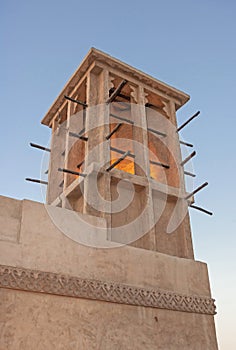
column 58, row 294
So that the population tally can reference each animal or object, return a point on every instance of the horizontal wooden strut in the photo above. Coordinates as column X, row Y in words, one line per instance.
column 37, row 181
column 187, row 121
column 157, row 132
column 117, row 91
column 126, row 154
column 189, row 174
column 35, row 145
column 81, row 137
column 121, row 118
column 76, row 101
column 114, row 149
column 160, row 164
column 132, row 123
column 125, row 97
column 116, row 128
column 188, row 158
column 197, row 190
column 201, row 209
column 71, row 172
column 186, row 143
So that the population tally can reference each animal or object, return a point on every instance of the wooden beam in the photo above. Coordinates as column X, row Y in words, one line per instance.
column 117, row 91
column 71, row 172
column 188, row 121
column 75, row 101
column 186, row 143
column 197, row 190
column 121, row 118
column 201, row 209
column 188, row 158
column 160, row 164
column 189, row 174
column 157, row 132
column 81, row 137
column 114, row 149
column 40, row 147
column 126, row 154
column 116, row 128
column 37, row 181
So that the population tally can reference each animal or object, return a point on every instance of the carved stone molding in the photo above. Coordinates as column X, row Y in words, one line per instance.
column 134, row 93
column 111, row 84
column 59, row 284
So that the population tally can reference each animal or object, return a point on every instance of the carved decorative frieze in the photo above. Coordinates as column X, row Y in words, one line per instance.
column 59, row 284
column 134, row 93
column 111, row 82
column 166, row 108
column 140, row 76
column 146, row 97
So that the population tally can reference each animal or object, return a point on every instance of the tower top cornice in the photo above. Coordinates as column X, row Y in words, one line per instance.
column 97, row 57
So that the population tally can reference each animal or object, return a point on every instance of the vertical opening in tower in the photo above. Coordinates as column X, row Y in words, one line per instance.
column 158, row 152
column 122, row 140
column 76, row 121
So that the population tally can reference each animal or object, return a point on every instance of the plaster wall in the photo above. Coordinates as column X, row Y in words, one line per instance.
column 41, row 245
column 41, row 321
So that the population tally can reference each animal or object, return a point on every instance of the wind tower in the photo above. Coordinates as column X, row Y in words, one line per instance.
column 106, row 110
column 116, row 236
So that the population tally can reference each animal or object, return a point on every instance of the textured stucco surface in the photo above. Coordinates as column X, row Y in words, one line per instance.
column 43, row 246
column 39, row 321
column 42, row 321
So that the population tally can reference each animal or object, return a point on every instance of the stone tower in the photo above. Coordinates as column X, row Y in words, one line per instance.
column 108, row 262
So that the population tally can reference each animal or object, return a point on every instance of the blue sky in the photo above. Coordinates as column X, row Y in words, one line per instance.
column 188, row 44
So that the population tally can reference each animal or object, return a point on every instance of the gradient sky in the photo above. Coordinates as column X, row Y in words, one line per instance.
column 188, row 44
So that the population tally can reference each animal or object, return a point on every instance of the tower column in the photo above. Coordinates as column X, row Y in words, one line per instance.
column 57, row 147
column 140, row 133
column 98, row 147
